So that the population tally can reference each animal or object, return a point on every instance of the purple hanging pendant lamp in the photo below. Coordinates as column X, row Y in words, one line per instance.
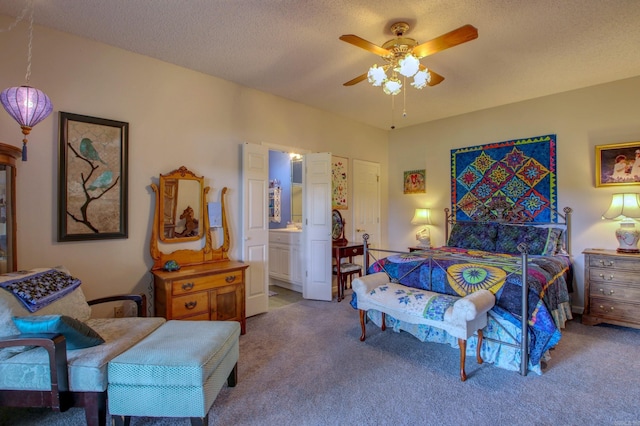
column 27, row 105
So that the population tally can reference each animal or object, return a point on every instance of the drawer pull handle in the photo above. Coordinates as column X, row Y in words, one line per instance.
column 230, row 278
column 608, row 263
column 610, row 291
column 606, row 278
column 191, row 305
column 605, row 309
column 187, row 286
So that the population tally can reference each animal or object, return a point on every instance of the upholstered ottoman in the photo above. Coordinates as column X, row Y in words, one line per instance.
column 176, row 371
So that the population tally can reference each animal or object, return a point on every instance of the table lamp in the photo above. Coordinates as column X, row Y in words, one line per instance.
column 422, row 217
column 625, row 208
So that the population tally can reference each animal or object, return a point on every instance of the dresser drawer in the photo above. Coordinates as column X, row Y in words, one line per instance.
column 204, row 316
column 190, row 285
column 606, row 291
column 603, row 275
column 610, row 308
column 190, row 304
column 614, row 263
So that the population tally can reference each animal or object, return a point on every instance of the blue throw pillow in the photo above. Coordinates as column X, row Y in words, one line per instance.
column 77, row 334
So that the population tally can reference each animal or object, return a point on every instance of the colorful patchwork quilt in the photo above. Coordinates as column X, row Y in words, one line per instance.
column 458, row 272
column 519, row 175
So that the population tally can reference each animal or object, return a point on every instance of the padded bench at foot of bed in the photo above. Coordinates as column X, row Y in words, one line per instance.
column 461, row 317
column 176, row 371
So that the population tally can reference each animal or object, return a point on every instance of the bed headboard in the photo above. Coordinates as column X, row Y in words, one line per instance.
column 515, row 215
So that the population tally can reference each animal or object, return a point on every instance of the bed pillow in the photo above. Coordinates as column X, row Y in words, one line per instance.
column 77, row 334
column 539, row 241
column 473, row 236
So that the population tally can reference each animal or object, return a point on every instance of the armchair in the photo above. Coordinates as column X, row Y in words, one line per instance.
column 38, row 370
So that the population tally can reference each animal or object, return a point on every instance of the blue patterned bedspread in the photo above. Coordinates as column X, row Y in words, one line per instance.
column 39, row 289
column 459, row 272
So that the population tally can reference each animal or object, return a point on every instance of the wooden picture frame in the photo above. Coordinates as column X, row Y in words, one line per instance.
column 93, row 178
column 618, row 164
column 415, row 181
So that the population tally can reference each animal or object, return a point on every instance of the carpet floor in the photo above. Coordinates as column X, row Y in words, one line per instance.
column 303, row 364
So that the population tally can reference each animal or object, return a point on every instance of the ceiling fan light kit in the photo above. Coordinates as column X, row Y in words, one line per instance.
column 402, row 56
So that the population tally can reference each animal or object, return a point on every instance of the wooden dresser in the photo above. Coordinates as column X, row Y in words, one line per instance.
column 611, row 288
column 209, row 291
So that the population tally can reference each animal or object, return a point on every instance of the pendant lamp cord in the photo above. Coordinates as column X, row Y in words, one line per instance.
column 28, row 8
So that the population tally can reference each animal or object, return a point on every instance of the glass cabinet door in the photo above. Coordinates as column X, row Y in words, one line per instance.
column 8, row 258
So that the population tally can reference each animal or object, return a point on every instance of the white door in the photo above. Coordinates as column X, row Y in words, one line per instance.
column 366, row 201
column 255, row 226
column 316, row 198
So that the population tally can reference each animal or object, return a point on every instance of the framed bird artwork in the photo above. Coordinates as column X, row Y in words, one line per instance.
column 93, row 169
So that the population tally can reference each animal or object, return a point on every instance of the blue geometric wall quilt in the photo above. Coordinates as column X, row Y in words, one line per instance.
column 519, row 175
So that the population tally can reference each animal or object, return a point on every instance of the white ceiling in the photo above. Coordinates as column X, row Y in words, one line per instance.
column 290, row 48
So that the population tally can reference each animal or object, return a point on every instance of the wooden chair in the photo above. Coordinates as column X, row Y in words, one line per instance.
column 347, row 271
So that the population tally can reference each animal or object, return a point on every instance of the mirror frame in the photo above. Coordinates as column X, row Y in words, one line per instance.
column 337, row 228
column 186, row 257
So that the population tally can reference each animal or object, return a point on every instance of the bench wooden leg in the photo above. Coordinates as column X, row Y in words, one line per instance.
column 362, row 317
column 463, row 355
column 233, row 376
column 383, row 327
column 197, row 421
column 121, row 420
column 478, row 347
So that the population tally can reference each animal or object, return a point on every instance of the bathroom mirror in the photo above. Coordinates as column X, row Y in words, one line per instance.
column 296, row 191
column 181, row 215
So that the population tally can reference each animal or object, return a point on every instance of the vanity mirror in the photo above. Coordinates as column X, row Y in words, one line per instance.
column 296, row 190
column 181, row 216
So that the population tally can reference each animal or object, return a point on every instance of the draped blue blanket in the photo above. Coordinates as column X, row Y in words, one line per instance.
column 37, row 290
column 458, row 272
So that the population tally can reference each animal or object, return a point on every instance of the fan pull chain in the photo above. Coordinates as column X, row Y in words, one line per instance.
column 404, row 98
column 393, row 103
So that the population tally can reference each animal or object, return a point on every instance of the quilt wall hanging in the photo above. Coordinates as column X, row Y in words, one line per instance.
column 515, row 178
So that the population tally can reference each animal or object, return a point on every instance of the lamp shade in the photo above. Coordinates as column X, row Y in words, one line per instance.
column 421, row 217
column 623, row 206
column 28, row 106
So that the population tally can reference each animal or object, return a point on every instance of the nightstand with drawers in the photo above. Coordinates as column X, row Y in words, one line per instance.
column 611, row 288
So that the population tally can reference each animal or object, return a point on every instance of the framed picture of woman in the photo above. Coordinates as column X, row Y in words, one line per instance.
column 618, row 164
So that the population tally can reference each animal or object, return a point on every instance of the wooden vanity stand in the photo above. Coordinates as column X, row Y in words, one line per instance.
column 208, row 285
column 209, row 291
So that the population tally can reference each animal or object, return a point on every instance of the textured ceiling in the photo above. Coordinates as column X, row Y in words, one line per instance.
column 290, row 48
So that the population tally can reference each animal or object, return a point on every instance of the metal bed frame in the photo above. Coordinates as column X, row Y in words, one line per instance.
column 490, row 216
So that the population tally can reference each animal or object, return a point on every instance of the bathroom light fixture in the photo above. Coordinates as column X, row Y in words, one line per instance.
column 422, row 217
column 27, row 105
column 625, row 208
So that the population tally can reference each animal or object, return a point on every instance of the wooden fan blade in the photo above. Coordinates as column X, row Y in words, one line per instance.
column 356, row 80
column 445, row 41
column 366, row 45
column 435, row 78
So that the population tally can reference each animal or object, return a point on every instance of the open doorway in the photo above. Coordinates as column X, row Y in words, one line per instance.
column 260, row 243
column 286, row 254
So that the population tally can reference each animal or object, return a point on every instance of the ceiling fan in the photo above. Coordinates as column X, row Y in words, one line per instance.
column 402, row 56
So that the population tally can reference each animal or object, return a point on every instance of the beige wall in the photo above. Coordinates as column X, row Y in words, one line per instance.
column 581, row 119
column 176, row 116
